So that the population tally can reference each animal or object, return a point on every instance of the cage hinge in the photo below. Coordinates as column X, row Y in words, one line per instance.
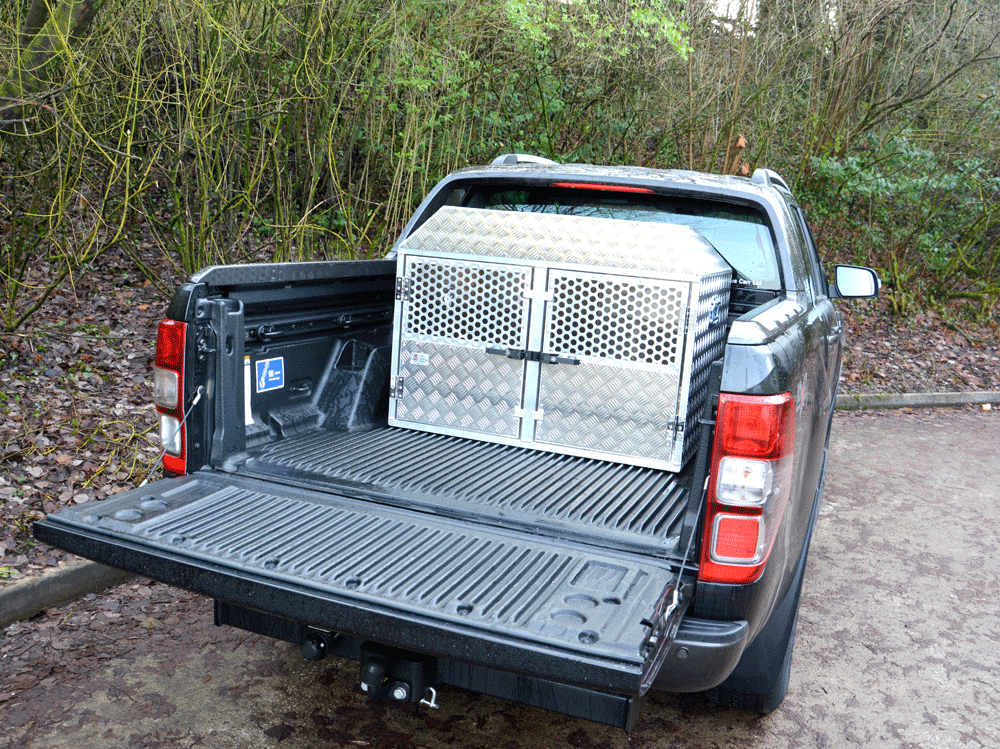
column 396, row 391
column 715, row 313
column 534, row 415
column 678, row 426
column 687, row 321
column 540, row 294
column 404, row 287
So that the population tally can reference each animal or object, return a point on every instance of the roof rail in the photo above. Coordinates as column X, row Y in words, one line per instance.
column 509, row 159
column 769, row 177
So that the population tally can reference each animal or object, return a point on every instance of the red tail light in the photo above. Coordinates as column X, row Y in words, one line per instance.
column 168, row 382
column 749, row 486
column 170, row 344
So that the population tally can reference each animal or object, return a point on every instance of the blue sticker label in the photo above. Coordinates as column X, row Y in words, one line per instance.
column 270, row 374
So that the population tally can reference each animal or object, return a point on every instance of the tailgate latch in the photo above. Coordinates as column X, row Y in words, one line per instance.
column 662, row 631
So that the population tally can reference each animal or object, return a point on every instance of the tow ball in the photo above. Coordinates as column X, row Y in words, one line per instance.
column 316, row 646
column 390, row 674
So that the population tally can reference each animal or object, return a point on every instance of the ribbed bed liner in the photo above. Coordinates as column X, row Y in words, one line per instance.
column 626, row 505
column 454, row 589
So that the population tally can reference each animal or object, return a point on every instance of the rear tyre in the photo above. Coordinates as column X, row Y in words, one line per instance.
column 759, row 682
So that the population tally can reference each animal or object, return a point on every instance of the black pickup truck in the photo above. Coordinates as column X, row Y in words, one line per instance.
column 563, row 445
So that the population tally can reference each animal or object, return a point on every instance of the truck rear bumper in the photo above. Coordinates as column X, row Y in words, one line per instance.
column 704, row 653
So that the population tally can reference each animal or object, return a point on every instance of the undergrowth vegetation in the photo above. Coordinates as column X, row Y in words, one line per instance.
column 247, row 130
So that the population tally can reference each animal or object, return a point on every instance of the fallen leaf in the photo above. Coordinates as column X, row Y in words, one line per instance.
column 279, row 732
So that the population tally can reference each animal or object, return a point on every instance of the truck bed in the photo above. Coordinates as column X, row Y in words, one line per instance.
column 608, row 504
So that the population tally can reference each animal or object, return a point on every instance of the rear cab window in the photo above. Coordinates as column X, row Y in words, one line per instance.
column 740, row 233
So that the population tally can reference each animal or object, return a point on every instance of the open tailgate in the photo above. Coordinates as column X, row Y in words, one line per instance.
column 499, row 598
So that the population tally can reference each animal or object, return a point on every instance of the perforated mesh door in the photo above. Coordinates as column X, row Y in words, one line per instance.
column 628, row 335
column 466, row 302
column 454, row 312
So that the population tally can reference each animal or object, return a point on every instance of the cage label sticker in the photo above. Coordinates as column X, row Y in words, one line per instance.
column 270, row 374
column 421, row 360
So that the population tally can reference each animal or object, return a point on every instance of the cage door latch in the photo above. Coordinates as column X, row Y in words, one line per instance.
column 538, row 356
column 510, row 353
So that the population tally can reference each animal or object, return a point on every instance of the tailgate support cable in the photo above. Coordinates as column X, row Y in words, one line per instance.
column 699, row 482
column 159, row 460
column 666, row 622
column 667, row 619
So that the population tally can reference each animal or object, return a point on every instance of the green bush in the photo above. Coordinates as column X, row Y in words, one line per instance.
column 926, row 220
column 264, row 129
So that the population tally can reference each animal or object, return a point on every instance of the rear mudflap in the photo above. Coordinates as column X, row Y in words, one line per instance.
column 501, row 599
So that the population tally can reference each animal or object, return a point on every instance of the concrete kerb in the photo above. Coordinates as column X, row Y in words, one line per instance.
column 62, row 584
column 67, row 582
column 915, row 400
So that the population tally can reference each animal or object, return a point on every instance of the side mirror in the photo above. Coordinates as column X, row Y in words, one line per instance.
column 855, row 282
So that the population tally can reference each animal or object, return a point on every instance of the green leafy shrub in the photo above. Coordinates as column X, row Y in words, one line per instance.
column 926, row 220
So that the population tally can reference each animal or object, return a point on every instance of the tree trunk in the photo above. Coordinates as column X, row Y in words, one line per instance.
column 49, row 28
column 37, row 15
